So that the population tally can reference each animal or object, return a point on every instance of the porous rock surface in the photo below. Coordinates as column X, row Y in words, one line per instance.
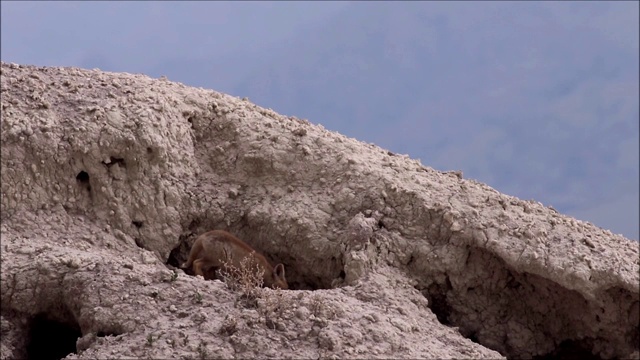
column 107, row 178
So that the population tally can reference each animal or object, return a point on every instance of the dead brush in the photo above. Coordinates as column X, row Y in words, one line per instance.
column 322, row 309
column 272, row 306
column 229, row 326
column 247, row 279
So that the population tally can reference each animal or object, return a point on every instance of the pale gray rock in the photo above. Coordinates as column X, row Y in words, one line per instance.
column 108, row 177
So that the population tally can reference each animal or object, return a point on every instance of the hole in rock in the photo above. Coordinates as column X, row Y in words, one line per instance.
column 82, row 177
column 436, row 294
column 108, row 333
column 114, row 161
column 51, row 339
column 570, row 350
column 193, row 226
column 137, row 224
column 139, row 243
column 83, row 180
column 342, row 274
column 189, row 118
column 180, row 253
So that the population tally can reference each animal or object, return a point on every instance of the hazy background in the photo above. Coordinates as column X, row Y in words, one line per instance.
column 537, row 99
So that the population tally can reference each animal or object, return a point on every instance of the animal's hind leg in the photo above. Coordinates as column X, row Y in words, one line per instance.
column 197, row 267
column 196, row 248
column 189, row 263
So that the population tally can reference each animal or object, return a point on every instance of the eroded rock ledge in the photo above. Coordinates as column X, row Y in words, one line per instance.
column 108, row 177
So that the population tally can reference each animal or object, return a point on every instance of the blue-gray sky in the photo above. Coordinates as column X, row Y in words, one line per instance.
column 538, row 99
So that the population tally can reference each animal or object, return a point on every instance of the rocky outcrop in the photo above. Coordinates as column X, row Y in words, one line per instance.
column 108, row 177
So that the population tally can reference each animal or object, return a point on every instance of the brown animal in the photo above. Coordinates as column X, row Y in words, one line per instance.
column 218, row 249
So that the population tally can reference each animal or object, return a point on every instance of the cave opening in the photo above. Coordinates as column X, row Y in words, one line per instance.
column 436, row 295
column 82, row 178
column 558, row 320
column 570, row 350
column 50, row 339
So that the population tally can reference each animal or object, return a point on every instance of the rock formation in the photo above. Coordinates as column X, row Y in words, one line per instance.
column 107, row 178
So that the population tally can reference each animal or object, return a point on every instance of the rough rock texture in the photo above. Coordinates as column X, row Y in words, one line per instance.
column 108, row 177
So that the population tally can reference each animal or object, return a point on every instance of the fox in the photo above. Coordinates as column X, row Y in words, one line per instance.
column 219, row 249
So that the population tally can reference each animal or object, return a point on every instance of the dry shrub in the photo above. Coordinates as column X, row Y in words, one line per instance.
column 321, row 309
column 272, row 307
column 247, row 279
column 229, row 326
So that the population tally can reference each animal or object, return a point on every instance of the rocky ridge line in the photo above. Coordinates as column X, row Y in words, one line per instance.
column 108, row 177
